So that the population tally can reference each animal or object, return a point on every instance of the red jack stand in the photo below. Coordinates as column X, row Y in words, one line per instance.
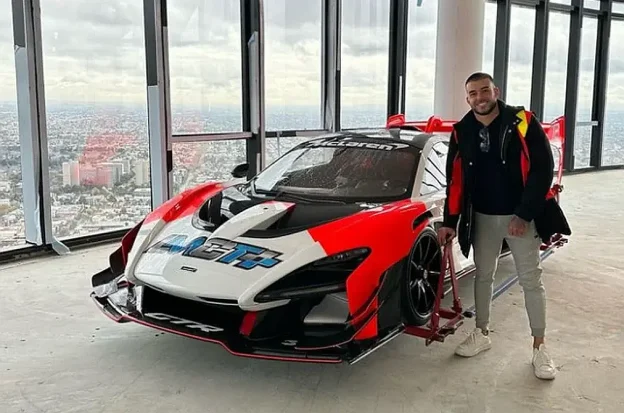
column 454, row 315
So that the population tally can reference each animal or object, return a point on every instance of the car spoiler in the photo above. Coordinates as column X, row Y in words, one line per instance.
column 555, row 131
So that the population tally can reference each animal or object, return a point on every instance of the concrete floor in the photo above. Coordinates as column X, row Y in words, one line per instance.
column 58, row 353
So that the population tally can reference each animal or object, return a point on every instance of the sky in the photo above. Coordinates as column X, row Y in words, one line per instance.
column 94, row 51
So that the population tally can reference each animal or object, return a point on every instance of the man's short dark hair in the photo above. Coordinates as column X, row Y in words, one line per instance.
column 479, row 76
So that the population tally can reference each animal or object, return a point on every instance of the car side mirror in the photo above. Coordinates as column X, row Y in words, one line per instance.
column 241, row 170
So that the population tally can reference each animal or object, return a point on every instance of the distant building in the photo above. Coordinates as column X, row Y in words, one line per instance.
column 141, row 172
column 71, row 173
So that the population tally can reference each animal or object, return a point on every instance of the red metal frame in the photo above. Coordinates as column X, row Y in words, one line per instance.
column 434, row 331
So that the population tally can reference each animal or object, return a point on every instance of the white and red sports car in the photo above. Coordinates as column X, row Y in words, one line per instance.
column 324, row 256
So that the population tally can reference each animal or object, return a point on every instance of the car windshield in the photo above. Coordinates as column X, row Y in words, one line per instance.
column 343, row 168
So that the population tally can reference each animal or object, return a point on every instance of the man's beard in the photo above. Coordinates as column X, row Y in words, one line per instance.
column 487, row 110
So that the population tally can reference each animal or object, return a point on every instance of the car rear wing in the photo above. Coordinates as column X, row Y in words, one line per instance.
column 555, row 131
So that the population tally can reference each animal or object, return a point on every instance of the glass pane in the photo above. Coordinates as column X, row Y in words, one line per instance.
column 556, row 65
column 292, row 64
column 582, row 143
column 205, row 65
column 617, row 8
column 11, row 201
column 566, row 2
column 364, row 62
column 520, row 71
column 613, row 141
column 592, row 4
column 94, row 63
column 276, row 147
column 196, row 163
column 489, row 34
column 421, row 51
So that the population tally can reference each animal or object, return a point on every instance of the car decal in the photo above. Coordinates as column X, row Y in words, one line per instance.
column 241, row 255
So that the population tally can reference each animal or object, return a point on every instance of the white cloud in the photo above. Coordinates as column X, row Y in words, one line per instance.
column 95, row 52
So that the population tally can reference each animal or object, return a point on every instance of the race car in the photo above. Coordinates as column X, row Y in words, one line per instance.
column 325, row 255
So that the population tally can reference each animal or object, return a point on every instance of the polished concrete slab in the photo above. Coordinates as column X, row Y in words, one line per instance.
column 58, row 353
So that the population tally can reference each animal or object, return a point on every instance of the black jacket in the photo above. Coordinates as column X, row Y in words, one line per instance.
column 527, row 156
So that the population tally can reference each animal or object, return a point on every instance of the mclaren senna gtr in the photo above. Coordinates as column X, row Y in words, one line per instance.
column 323, row 256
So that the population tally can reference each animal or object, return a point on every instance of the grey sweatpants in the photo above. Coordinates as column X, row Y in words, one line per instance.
column 490, row 231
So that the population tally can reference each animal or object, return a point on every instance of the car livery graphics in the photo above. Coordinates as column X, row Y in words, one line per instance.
column 223, row 251
column 351, row 142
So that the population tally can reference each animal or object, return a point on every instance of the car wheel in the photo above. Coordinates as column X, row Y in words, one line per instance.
column 420, row 280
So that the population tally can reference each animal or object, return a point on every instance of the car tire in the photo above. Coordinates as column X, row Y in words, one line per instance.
column 420, row 278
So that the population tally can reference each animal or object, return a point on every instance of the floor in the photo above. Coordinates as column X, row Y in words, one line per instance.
column 59, row 354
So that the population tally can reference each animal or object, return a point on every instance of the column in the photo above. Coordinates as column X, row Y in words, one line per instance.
column 459, row 52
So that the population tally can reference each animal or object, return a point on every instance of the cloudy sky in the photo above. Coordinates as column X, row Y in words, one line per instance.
column 93, row 51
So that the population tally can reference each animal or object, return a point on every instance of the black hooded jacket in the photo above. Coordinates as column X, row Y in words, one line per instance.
column 527, row 165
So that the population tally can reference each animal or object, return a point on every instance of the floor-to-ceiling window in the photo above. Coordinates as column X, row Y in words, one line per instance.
column 94, row 74
column 11, row 200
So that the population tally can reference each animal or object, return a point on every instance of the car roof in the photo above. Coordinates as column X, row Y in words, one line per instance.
column 413, row 137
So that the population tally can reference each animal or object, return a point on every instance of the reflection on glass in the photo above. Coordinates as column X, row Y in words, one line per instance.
column 96, row 115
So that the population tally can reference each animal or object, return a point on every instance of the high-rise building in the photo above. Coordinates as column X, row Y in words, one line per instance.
column 115, row 169
column 71, row 173
column 141, row 172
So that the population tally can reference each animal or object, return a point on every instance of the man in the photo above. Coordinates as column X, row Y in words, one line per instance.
column 499, row 171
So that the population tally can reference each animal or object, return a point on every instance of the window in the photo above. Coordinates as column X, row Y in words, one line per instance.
column 556, row 65
column 94, row 63
column 205, row 65
column 489, row 35
column 583, row 131
column 520, row 71
column 196, row 163
column 12, row 230
column 364, row 63
column 434, row 175
column 617, row 8
column 613, row 143
column 421, row 56
column 592, row 4
column 292, row 64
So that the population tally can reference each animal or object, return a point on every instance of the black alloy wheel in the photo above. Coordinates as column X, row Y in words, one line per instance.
column 420, row 281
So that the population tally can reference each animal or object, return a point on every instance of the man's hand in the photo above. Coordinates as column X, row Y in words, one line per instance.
column 445, row 235
column 517, row 226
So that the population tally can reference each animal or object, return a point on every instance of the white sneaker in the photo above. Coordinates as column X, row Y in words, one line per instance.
column 474, row 344
column 543, row 366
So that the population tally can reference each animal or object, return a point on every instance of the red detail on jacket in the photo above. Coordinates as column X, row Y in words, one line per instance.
column 456, row 186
